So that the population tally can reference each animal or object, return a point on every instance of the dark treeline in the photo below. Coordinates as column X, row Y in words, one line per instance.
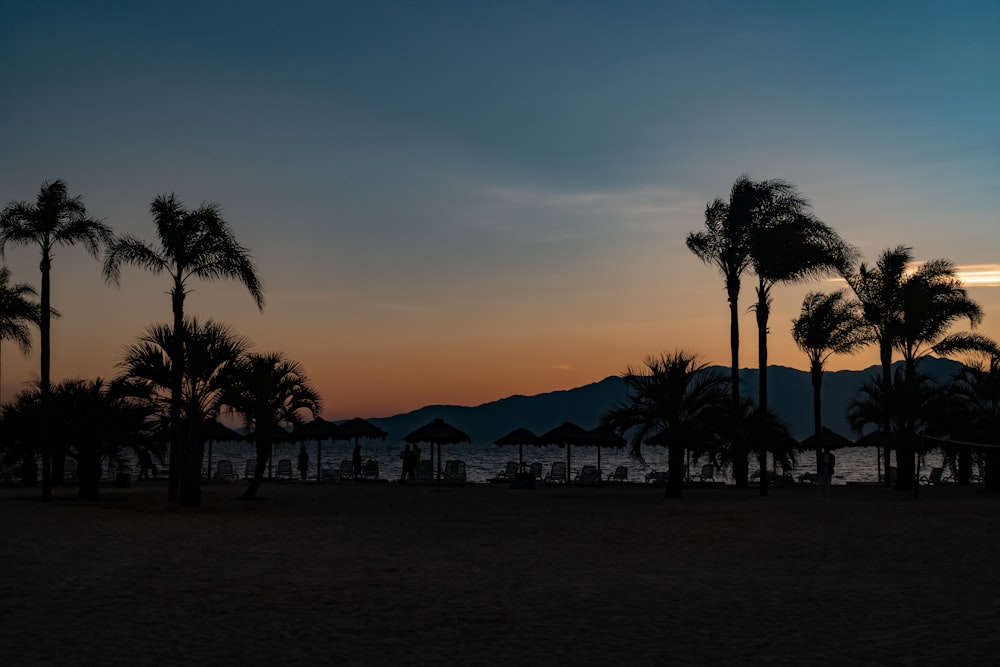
column 175, row 380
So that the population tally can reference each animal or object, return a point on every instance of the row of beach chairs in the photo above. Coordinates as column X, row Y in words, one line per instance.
column 589, row 474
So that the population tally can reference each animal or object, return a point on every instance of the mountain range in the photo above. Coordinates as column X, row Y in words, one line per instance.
column 789, row 396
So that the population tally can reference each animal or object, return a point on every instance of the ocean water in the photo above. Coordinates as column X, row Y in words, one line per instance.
column 485, row 460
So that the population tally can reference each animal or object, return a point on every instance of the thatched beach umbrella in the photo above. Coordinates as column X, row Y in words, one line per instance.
column 212, row 432
column 605, row 437
column 828, row 440
column 566, row 435
column 319, row 430
column 356, row 428
column 519, row 437
column 438, row 432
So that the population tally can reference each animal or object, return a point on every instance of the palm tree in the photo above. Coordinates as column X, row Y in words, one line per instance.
column 210, row 350
column 56, row 219
column 676, row 401
column 725, row 244
column 975, row 414
column 789, row 246
column 828, row 324
column 268, row 391
column 194, row 243
column 17, row 311
column 877, row 288
column 100, row 420
column 932, row 299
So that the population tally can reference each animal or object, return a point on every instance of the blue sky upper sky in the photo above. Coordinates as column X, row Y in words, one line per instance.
column 456, row 201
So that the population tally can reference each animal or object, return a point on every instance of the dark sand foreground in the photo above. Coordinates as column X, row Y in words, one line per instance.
column 381, row 573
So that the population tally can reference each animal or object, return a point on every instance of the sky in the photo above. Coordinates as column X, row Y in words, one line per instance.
column 454, row 202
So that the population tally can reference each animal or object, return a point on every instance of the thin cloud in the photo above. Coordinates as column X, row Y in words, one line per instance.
column 980, row 275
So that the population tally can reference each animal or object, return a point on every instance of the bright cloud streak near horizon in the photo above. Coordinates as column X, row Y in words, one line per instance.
column 453, row 202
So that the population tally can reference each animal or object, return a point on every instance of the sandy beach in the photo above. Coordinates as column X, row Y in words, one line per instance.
column 420, row 575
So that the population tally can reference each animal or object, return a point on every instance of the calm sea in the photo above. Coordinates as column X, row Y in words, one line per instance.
column 485, row 461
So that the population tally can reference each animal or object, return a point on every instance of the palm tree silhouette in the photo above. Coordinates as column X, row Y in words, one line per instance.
column 725, row 244
column 194, row 243
column 975, row 412
column 932, row 299
column 828, row 324
column 268, row 391
column 210, row 350
column 55, row 219
column 674, row 400
column 17, row 311
column 788, row 246
column 877, row 289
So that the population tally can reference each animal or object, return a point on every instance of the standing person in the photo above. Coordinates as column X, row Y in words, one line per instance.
column 415, row 465
column 406, row 456
column 356, row 460
column 303, row 461
column 825, row 473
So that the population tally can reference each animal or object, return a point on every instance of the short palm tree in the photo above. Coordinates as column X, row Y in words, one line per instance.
column 975, row 415
column 194, row 243
column 55, row 219
column 17, row 311
column 674, row 399
column 932, row 300
column 828, row 324
column 268, row 391
column 210, row 348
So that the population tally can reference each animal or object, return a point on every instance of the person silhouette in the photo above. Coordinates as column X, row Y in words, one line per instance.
column 406, row 456
column 356, row 460
column 303, row 461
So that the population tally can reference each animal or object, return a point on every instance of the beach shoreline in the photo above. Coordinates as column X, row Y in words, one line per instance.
column 457, row 574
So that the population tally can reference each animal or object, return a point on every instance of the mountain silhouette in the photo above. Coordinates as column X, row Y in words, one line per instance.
column 789, row 389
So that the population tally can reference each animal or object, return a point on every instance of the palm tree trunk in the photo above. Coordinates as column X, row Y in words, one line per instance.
column 762, row 315
column 817, row 383
column 263, row 452
column 45, row 386
column 741, row 467
column 675, row 471
column 885, row 356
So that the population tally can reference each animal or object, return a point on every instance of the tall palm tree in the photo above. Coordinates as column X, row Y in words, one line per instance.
column 877, row 288
column 788, row 246
column 268, row 391
column 194, row 243
column 725, row 244
column 210, row 349
column 55, row 219
column 828, row 324
column 675, row 400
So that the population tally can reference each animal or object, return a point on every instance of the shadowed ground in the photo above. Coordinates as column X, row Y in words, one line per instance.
column 482, row 574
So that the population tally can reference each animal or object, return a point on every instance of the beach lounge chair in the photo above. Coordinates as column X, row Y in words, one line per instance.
column 346, row 470
column 933, row 478
column 250, row 469
column 656, row 477
column 370, row 470
column 509, row 471
column 536, row 470
column 588, row 475
column 557, row 473
column 707, row 474
column 284, row 469
column 425, row 471
column 69, row 470
column 454, row 471
column 224, row 471
column 619, row 475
